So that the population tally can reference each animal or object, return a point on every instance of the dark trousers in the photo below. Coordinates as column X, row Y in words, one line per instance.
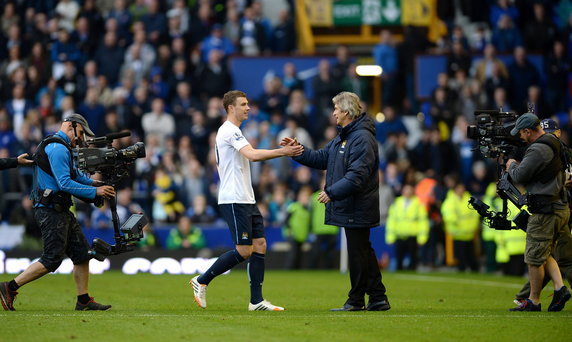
column 294, row 260
column 465, row 253
column 365, row 276
column 324, row 248
column 404, row 247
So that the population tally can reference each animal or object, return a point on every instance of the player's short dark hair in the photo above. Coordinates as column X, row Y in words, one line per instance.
column 230, row 97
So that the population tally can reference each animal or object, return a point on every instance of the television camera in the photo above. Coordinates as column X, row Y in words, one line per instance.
column 114, row 165
column 492, row 133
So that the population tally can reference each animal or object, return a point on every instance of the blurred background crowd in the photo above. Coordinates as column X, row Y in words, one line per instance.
column 160, row 68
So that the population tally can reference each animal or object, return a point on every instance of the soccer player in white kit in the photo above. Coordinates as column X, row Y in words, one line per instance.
column 238, row 205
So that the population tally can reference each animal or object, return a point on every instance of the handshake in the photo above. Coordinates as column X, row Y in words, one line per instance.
column 291, row 146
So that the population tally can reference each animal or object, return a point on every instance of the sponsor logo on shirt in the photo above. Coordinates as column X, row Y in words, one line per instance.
column 245, row 236
column 237, row 136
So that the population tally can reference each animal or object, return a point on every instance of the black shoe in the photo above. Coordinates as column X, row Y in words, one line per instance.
column 349, row 307
column 382, row 305
column 559, row 300
column 527, row 305
column 91, row 305
column 7, row 297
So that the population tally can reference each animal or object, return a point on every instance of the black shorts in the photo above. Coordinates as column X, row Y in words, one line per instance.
column 61, row 236
column 244, row 222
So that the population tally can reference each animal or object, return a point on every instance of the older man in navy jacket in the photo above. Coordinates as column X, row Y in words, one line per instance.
column 351, row 196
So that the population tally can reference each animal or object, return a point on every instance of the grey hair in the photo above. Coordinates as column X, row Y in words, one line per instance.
column 348, row 102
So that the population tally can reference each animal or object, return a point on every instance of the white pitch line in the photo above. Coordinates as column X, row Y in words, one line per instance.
column 317, row 315
column 476, row 282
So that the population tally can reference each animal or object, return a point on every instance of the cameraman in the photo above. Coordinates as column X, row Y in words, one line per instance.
column 541, row 171
column 56, row 180
column 563, row 249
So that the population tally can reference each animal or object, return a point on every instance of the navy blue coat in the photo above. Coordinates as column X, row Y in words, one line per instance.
column 351, row 161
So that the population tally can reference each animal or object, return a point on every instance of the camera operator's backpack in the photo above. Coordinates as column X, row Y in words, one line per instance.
column 564, row 163
column 41, row 157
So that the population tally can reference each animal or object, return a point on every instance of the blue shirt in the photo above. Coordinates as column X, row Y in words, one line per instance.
column 60, row 162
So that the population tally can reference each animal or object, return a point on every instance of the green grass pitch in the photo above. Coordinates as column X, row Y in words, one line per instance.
column 425, row 307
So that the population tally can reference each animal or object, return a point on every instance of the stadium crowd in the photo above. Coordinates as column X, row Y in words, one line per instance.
column 160, row 68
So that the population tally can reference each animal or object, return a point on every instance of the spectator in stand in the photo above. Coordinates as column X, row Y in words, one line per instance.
column 185, row 236
column 290, row 80
column 13, row 62
column 458, row 59
column 180, row 10
column 385, row 55
column 273, row 99
column 535, row 98
column 231, row 26
column 252, row 37
column 183, row 106
column 69, row 81
column 557, row 68
column 354, row 83
column 63, row 50
column 283, row 38
column 392, row 123
column 522, row 75
column 462, row 223
column 201, row 24
column 217, row 41
column 407, row 226
column 500, row 100
column 297, row 226
column 13, row 38
column 17, row 108
column 67, row 11
column 216, row 79
column 200, row 212
column 539, row 33
column 121, row 16
column 39, row 59
column 483, row 68
column 324, row 89
column 9, row 18
column 92, row 110
column 109, row 58
column 506, row 36
column 341, row 65
column 84, row 39
column 299, row 109
column 158, row 122
column 503, row 8
column 155, row 23
column 496, row 80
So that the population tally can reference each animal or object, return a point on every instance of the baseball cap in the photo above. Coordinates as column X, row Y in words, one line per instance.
column 526, row 120
column 77, row 118
column 549, row 125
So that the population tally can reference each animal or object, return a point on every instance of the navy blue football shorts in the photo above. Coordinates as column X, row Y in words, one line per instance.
column 244, row 222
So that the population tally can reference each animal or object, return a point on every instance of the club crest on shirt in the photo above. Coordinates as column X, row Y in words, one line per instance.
column 237, row 136
column 343, row 147
column 245, row 236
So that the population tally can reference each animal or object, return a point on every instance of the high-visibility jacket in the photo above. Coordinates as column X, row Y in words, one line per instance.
column 407, row 217
column 318, row 218
column 461, row 221
column 298, row 223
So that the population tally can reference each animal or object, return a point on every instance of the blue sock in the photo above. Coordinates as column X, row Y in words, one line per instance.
column 256, row 277
column 224, row 263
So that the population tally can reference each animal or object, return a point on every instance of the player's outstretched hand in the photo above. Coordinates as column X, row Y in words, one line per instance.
column 287, row 141
column 293, row 150
column 106, row 191
column 24, row 161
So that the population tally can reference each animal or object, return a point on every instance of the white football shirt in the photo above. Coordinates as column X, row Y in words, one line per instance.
column 233, row 167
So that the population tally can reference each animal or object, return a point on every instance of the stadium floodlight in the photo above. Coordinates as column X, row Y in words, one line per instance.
column 368, row 70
